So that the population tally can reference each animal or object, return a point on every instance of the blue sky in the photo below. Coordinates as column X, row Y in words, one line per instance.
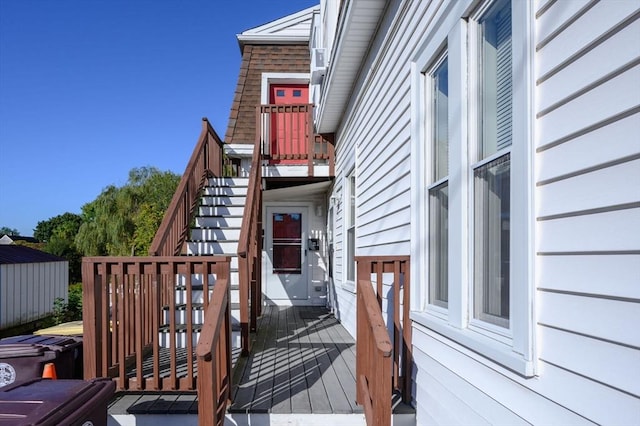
column 90, row 89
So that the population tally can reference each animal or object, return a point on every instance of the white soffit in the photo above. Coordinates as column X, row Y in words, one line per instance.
column 358, row 23
column 292, row 192
column 295, row 28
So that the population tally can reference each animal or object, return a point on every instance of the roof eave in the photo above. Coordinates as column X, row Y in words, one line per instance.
column 350, row 49
column 270, row 39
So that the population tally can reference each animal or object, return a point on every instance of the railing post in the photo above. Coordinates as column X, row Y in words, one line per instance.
column 257, row 299
column 310, row 141
column 362, row 273
column 407, row 351
column 92, row 322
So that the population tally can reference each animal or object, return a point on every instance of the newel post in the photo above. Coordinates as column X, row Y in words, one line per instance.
column 362, row 335
column 91, row 321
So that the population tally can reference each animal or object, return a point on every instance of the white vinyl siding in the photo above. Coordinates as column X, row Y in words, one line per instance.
column 584, row 259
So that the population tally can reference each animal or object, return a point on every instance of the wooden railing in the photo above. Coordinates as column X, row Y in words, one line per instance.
column 382, row 366
column 250, row 253
column 206, row 161
column 286, row 135
column 127, row 301
column 214, row 358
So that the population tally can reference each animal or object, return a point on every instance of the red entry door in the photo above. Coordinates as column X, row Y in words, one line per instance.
column 288, row 125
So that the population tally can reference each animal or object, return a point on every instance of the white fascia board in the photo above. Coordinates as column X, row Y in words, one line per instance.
column 271, row 39
column 344, row 66
column 239, row 149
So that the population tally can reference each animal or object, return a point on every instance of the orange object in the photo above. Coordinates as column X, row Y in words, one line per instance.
column 49, row 371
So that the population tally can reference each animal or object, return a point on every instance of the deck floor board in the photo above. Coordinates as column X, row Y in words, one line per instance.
column 301, row 354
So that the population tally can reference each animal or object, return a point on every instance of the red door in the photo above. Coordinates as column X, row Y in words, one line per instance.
column 288, row 125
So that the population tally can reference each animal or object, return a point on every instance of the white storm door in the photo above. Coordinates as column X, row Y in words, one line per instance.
column 286, row 249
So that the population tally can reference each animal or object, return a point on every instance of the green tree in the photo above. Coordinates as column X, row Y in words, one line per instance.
column 58, row 234
column 5, row 230
column 65, row 225
column 122, row 221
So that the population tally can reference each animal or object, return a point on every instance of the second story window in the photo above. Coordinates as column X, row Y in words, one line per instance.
column 471, row 158
column 438, row 185
column 351, row 227
column 491, row 170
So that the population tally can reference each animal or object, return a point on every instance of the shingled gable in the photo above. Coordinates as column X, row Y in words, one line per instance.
column 280, row 46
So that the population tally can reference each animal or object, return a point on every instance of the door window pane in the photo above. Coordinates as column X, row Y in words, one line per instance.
column 287, row 243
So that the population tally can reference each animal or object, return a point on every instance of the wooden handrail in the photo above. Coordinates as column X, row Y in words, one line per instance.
column 380, row 365
column 249, row 251
column 214, row 358
column 206, row 161
column 373, row 357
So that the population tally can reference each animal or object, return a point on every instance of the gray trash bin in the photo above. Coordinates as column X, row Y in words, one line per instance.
column 46, row 402
column 67, row 351
column 20, row 362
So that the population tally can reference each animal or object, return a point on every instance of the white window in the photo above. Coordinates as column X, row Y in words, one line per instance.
column 438, row 185
column 350, row 222
column 471, row 149
column 490, row 167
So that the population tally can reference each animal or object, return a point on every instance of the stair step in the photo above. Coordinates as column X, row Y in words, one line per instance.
column 223, row 200
column 225, row 190
column 220, row 211
column 228, row 181
column 215, row 234
column 198, row 306
column 218, row 221
column 181, row 336
column 212, row 248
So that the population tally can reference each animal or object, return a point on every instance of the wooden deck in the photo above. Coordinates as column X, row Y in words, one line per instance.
column 302, row 362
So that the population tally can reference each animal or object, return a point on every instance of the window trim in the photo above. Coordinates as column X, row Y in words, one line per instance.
column 432, row 181
column 347, row 284
column 514, row 350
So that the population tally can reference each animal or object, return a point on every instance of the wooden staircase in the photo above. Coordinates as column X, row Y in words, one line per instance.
column 215, row 231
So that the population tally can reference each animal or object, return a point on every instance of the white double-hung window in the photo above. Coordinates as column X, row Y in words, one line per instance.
column 471, row 147
column 438, row 187
column 350, row 221
column 491, row 137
